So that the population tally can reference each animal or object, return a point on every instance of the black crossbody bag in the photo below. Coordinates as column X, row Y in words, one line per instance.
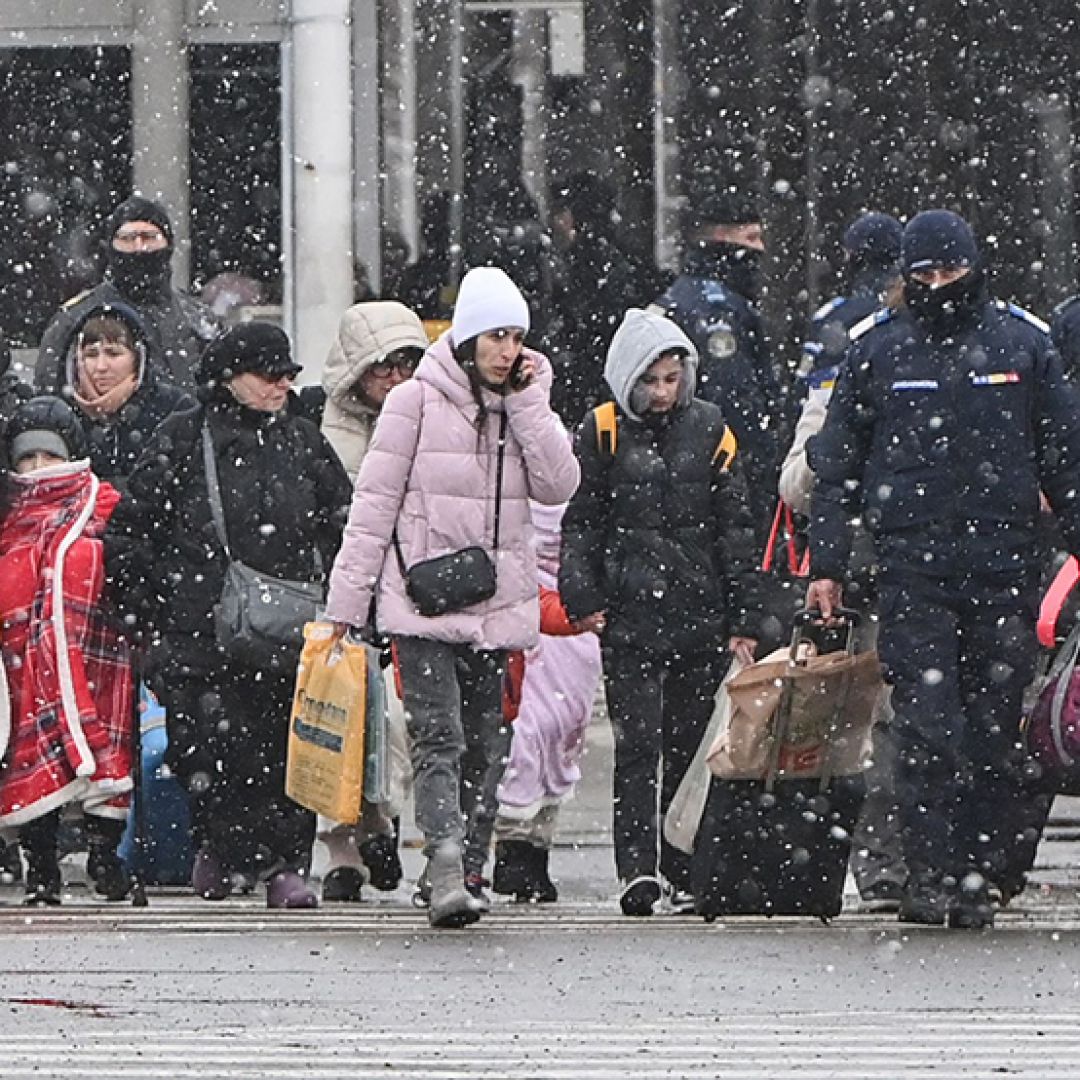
column 450, row 583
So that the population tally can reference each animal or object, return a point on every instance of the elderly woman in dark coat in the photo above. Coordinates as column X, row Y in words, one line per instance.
column 285, row 495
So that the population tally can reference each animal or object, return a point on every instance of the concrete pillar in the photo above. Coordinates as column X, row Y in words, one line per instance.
column 398, row 82
column 367, row 156
column 530, row 73
column 319, row 161
column 441, row 72
column 159, row 118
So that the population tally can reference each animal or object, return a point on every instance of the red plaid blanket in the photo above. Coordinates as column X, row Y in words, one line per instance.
column 68, row 674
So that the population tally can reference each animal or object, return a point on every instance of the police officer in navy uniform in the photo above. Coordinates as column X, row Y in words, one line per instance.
column 872, row 268
column 712, row 301
column 948, row 418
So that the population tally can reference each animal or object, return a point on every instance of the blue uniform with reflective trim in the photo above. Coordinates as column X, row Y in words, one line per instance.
column 944, row 444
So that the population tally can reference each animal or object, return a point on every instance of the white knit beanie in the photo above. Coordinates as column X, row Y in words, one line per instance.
column 487, row 300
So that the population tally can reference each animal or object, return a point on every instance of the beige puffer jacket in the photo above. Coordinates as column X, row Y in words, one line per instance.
column 367, row 334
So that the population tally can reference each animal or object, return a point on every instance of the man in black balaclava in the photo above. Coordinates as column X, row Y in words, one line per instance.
column 139, row 274
column 712, row 301
column 949, row 416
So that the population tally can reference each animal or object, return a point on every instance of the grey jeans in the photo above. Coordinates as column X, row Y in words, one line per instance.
column 460, row 742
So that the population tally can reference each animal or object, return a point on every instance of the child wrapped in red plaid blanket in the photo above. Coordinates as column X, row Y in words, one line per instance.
column 69, row 735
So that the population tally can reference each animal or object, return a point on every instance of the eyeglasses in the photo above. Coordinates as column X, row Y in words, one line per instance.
column 405, row 366
column 129, row 239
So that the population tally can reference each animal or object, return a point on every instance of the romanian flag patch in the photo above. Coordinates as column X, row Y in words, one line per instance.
column 998, row 378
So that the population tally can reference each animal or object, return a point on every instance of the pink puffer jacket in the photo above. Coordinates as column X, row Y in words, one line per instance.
column 430, row 474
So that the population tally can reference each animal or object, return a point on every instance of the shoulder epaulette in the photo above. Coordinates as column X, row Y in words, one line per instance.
column 726, row 450
column 607, row 428
column 827, row 309
column 1017, row 312
column 865, row 325
column 76, row 299
column 1064, row 306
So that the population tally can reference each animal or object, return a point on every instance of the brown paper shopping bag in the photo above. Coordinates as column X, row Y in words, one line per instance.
column 325, row 765
column 818, row 739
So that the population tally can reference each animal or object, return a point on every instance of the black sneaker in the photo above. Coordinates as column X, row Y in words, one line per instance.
column 343, row 885
column 380, row 857
column 639, row 896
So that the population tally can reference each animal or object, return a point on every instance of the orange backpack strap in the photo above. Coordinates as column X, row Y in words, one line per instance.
column 726, row 450
column 607, row 428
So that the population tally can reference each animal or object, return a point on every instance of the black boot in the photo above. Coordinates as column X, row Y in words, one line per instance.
column 513, row 873
column 543, row 888
column 925, row 901
column 43, row 881
column 103, row 866
column 380, row 856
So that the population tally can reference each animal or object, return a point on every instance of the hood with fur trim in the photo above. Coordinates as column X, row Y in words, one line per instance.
column 366, row 335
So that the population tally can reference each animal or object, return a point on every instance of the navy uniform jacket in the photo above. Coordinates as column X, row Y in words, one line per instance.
column 944, row 445
column 1065, row 332
column 829, row 336
column 734, row 374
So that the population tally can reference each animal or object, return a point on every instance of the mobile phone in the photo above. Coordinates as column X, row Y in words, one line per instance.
column 516, row 379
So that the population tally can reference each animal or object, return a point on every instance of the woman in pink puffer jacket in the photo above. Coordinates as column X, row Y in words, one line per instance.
column 430, row 480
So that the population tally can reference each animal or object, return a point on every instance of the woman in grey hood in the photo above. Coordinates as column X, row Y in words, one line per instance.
column 659, row 540
column 377, row 347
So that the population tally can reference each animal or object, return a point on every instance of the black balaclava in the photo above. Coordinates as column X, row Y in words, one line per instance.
column 934, row 239
column 736, row 266
column 141, row 276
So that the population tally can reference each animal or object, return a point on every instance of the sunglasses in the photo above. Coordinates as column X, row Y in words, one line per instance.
column 406, row 365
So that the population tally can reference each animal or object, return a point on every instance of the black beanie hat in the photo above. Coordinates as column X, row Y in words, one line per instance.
column 139, row 209
column 874, row 240
column 249, row 346
column 38, row 423
column 937, row 238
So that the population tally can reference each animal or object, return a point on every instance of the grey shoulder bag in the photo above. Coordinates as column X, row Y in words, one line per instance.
column 259, row 620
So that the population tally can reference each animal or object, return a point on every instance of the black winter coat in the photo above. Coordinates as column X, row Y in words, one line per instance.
column 285, row 494
column 659, row 536
column 944, row 444
column 117, row 443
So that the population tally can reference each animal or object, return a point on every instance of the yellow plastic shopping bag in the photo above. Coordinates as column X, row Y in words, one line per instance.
column 325, row 765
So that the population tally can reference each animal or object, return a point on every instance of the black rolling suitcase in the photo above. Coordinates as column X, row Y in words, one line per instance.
column 777, row 846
